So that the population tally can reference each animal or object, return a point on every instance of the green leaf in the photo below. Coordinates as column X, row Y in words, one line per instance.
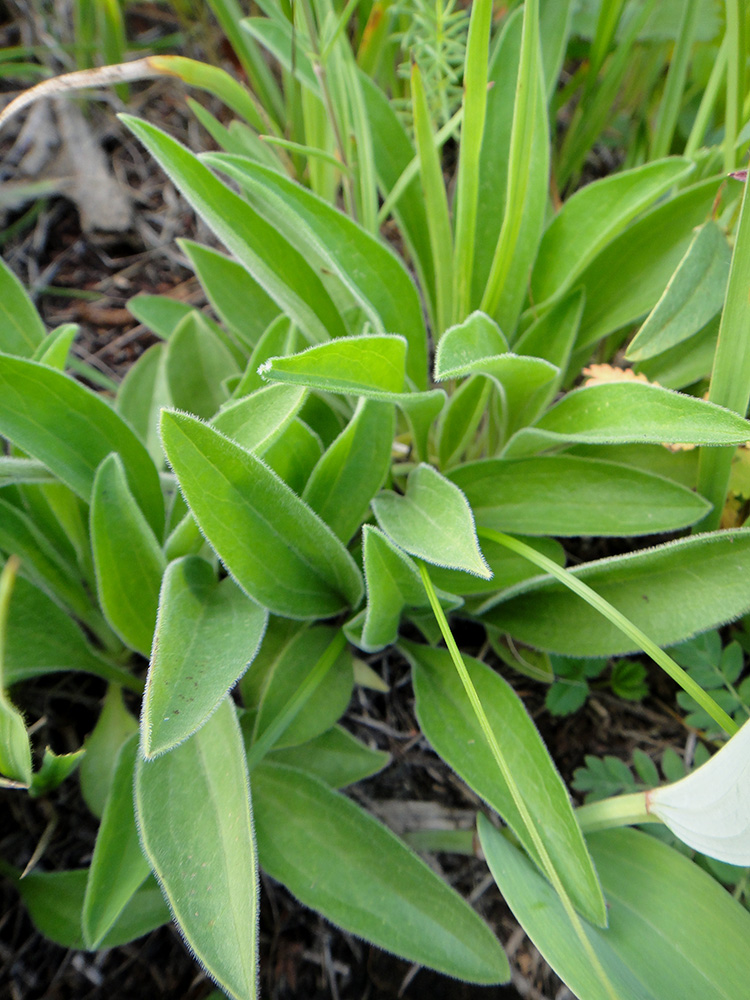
column 337, row 859
column 196, row 827
column 649, row 950
column 237, row 299
column 564, row 495
column 21, row 327
column 335, row 757
column 593, row 217
column 71, row 430
column 118, row 867
column 644, row 258
column 294, row 454
column 301, row 684
column 274, row 263
column 142, row 394
column 448, row 721
column 53, row 770
column 207, row 634
column 461, row 418
column 55, row 900
column 114, row 725
column 281, row 554
column 368, row 366
column 507, row 568
column 694, row 295
column 55, row 348
column 128, row 560
column 41, row 639
column 196, row 364
column 671, row 592
column 159, row 313
column 15, row 748
column 353, row 469
column 432, row 521
column 257, row 420
column 370, row 270
column 624, row 412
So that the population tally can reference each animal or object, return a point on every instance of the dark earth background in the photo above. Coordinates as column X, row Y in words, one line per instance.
column 80, row 268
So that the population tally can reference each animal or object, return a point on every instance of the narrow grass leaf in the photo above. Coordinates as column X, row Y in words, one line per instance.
column 281, row 554
column 71, row 429
column 447, row 719
column 273, row 262
column 207, row 633
column 649, row 950
column 432, row 521
column 196, row 827
column 128, row 559
column 304, row 829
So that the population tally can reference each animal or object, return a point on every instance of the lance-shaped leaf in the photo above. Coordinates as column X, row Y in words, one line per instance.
column 118, row 867
column 281, row 554
column 21, row 328
column 393, row 584
column 671, row 592
column 593, row 216
column 207, row 634
column 353, row 469
column 339, row 860
column 273, row 262
column 367, row 365
column 565, row 495
column 257, row 420
column 626, row 412
column 368, row 268
column 709, row 810
column 336, row 757
column 196, row 827
column 649, row 950
column 71, row 430
column 694, row 295
column 450, row 724
column 113, row 727
column 432, row 521
column 15, row 749
column 196, row 364
column 55, row 899
column 142, row 394
column 128, row 560
column 239, row 301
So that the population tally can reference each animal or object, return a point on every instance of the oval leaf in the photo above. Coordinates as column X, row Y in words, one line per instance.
column 280, row 553
column 207, row 634
column 196, row 827
column 355, row 365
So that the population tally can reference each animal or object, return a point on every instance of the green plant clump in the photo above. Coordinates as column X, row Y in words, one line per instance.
column 356, row 444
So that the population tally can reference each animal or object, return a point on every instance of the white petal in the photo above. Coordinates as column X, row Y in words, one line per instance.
column 709, row 810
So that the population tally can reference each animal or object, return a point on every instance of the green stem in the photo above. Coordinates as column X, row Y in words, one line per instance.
column 621, row 810
column 619, row 620
column 518, row 800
